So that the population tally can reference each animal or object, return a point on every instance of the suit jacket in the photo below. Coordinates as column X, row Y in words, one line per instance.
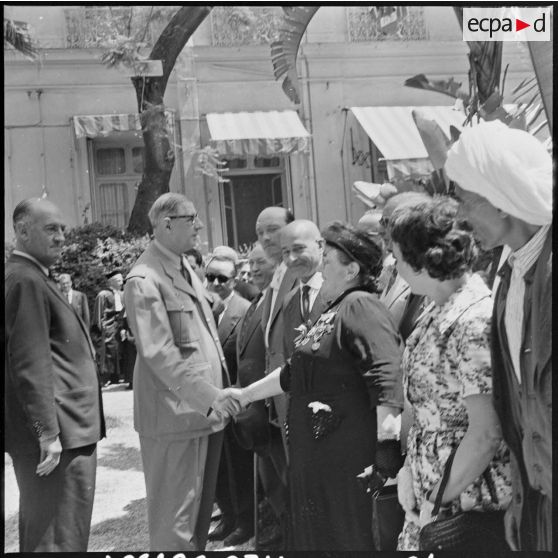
column 275, row 356
column 252, row 425
column 395, row 299
column 51, row 382
column 250, row 348
column 526, row 413
column 292, row 317
column 79, row 303
column 228, row 330
column 180, row 364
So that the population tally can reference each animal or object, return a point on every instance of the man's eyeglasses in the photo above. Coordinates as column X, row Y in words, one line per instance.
column 189, row 218
column 221, row 278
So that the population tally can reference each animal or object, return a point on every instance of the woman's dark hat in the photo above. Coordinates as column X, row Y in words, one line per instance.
column 357, row 244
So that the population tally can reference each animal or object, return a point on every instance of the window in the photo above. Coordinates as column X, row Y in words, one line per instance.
column 117, row 169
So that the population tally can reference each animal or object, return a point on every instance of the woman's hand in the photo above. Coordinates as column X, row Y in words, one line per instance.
column 425, row 516
column 405, row 492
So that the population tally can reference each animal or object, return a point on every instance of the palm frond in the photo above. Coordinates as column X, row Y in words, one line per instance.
column 285, row 49
column 17, row 36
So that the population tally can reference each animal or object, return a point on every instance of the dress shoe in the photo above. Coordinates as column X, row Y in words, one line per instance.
column 238, row 536
column 223, row 529
column 272, row 538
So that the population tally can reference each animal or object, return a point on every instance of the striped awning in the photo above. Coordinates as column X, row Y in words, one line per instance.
column 257, row 133
column 394, row 131
column 102, row 125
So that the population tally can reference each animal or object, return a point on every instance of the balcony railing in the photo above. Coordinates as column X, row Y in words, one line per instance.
column 91, row 26
column 364, row 24
column 244, row 25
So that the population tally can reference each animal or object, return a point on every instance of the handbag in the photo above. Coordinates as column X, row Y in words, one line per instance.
column 387, row 518
column 466, row 531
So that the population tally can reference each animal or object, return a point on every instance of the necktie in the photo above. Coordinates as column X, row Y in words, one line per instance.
column 248, row 317
column 185, row 273
column 305, row 303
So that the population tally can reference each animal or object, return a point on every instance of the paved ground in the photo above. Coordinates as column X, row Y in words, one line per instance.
column 119, row 516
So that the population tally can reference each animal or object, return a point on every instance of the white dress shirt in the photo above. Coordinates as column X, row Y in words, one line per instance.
column 275, row 284
column 315, row 283
column 520, row 261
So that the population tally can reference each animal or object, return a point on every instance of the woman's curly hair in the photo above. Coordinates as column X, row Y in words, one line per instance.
column 431, row 236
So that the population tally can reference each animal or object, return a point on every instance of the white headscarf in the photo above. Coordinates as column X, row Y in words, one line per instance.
column 508, row 167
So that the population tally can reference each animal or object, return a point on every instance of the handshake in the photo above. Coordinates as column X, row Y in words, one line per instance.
column 230, row 401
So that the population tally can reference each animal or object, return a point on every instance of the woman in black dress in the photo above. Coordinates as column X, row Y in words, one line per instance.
column 344, row 375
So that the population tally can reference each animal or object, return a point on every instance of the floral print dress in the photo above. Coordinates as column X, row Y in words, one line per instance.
column 447, row 358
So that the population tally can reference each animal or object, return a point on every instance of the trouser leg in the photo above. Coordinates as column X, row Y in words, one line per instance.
column 55, row 510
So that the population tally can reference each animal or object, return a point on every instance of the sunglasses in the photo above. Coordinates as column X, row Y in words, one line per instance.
column 221, row 278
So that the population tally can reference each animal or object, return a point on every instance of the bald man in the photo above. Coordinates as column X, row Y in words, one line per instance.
column 504, row 184
column 53, row 409
column 302, row 249
column 269, row 224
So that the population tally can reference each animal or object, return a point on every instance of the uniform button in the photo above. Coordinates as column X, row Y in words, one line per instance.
column 527, row 350
column 537, row 468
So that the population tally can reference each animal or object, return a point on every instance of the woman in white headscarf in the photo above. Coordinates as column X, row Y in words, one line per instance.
column 504, row 183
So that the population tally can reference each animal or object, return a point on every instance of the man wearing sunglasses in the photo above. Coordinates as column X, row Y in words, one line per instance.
column 179, row 370
column 234, row 481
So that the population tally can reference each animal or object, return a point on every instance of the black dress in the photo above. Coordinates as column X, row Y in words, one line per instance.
column 347, row 363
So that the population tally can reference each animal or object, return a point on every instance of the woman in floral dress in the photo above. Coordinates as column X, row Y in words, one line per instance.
column 447, row 377
column 344, row 379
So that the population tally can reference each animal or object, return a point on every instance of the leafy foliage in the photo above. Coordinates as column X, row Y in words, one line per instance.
column 93, row 250
column 17, row 36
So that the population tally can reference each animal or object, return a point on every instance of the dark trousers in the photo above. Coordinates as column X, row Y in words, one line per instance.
column 234, row 492
column 55, row 511
column 272, row 470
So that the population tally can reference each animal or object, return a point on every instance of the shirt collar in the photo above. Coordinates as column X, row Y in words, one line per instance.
column 521, row 260
column 278, row 276
column 228, row 299
column 34, row 260
column 175, row 258
column 315, row 282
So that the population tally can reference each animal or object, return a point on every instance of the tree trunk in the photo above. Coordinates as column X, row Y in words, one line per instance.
column 150, row 92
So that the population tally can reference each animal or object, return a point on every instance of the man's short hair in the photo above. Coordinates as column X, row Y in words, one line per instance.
column 63, row 275
column 23, row 210
column 165, row 205
column 225, row 254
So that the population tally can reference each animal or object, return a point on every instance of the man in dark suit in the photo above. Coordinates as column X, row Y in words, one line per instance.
column 234, row 480
column 252, row 426
column 302, row 248
column 77, row 299
column 53, row 408
column 269, row 224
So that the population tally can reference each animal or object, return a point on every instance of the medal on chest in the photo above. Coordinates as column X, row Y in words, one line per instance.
column 322, row 327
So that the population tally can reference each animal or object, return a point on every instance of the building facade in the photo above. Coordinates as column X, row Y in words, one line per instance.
column 71, row 127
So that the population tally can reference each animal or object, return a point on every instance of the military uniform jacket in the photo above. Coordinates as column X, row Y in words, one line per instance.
column 180, row 364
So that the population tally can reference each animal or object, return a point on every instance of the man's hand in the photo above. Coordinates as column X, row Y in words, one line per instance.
column 225, row 404
column 51, row 448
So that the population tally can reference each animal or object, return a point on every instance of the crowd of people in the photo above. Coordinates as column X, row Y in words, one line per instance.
column 324, row 365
